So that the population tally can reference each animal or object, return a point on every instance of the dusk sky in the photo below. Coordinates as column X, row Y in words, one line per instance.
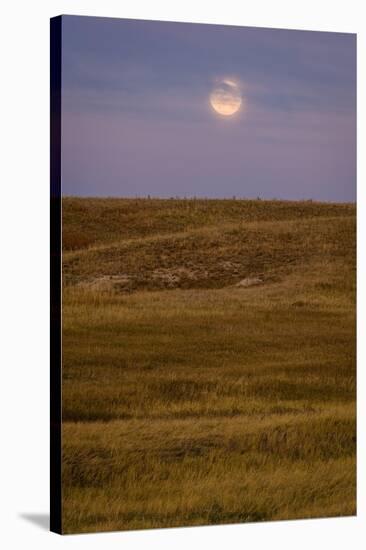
column 137, row 119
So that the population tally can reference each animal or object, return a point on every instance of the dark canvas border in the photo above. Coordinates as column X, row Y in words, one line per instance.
column 55, row 276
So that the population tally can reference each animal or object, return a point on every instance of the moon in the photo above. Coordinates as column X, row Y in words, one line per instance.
column 226, row 98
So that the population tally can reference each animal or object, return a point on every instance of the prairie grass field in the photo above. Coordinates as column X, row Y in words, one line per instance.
column 209, row 371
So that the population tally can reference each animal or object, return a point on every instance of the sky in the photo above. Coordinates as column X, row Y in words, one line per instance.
column 137, row 119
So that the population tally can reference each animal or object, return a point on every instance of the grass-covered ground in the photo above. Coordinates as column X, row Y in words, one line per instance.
column 190, row 397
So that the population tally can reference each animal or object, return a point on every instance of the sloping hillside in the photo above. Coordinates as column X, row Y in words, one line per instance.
column 126, row 245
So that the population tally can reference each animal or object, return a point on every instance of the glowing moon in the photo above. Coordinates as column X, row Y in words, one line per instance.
column 226, row 98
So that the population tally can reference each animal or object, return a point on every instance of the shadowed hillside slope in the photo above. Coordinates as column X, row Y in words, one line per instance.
column 131, row 244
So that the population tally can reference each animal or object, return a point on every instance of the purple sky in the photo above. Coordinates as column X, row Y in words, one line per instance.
column 136, row 118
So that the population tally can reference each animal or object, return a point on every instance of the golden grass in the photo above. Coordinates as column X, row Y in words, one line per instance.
column 188, row 400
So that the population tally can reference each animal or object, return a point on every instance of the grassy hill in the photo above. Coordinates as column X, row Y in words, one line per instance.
column 208, row 361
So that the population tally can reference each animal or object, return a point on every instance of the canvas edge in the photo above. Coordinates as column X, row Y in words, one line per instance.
column 55, row 277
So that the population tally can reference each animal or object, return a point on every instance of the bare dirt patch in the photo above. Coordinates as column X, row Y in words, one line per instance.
column 249, row 281
column 109, row 282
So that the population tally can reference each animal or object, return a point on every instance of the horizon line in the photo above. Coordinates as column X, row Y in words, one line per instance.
column 202, row 198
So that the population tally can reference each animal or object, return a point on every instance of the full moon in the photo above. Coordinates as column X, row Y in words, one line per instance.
column 225, row 98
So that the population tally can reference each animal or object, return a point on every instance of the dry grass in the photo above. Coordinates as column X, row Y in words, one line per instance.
column 188, row 400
